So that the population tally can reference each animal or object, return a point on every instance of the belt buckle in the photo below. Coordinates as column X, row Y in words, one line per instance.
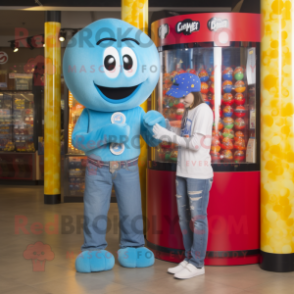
column 113, row 166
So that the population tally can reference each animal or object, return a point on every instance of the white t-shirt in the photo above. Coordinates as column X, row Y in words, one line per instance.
column 195, row 162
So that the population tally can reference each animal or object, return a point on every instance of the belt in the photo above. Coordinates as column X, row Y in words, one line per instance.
column 124, row 163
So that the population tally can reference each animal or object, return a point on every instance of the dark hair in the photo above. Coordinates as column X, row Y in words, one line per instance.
column 198, row 99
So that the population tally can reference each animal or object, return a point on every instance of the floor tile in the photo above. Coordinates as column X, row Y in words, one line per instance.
column 24, row 290
column 17, row 274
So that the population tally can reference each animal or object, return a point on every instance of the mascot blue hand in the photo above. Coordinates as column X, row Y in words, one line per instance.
column 118, row 133
column 151, row 118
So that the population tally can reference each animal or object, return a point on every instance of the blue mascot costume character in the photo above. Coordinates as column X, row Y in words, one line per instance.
column 111, row 68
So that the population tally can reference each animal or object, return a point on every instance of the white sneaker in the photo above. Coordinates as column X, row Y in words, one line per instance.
column 189, row 271
column 178, row 268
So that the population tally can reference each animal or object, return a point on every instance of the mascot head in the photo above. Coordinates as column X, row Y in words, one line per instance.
column 110, row 65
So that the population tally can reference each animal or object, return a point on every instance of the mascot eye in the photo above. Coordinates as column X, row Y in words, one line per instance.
column 129, row 61
column 111, row 62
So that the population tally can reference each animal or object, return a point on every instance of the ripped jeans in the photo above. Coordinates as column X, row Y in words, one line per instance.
column 192, row 200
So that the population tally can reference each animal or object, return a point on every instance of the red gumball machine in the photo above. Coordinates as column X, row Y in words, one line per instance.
column 222, row 48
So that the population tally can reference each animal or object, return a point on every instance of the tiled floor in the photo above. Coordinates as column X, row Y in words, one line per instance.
column 17, row 275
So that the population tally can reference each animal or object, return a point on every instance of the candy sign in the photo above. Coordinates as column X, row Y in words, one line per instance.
column 3, row 57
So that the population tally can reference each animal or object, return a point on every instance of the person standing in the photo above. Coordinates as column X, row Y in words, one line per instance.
column 194, row 175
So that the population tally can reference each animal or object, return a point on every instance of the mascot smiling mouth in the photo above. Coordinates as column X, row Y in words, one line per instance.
column 117, row 93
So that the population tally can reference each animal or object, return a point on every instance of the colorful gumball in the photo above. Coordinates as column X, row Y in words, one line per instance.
column 240, row 111
column 178, row 104
column 172, row 102
column 215, row 156
column 228, row 74
column 228, row 123
column 173, row 73
column 239, row 99
column 165, row 145
column 228, row 99
column 228, row 110
column 227, row 144
column 238, row 73
column 167, row 156
column 220, row 113
column 216, row 134
column 240, row 144
column 228, row 133
column 239, row 87
column 239, row 123
column 161, row 155
column 212, row 76
column 174, row 155
column 239, row 156
column 180, row 71
column 215, row 148
column 219, row 125
column 193, row 71
column 179, row 113
column 211, row 88
column 238, row 135
column 227, row 86
column 203, row 75
column 204, row 88
column 226, row 155
column 215, row 141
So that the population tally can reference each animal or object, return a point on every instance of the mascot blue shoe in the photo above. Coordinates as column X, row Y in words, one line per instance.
column 94, row 261
column 135, row 257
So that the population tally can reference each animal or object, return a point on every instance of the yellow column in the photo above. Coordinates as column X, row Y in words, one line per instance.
column 135, row 12
column 277, row 137
column 52, row 193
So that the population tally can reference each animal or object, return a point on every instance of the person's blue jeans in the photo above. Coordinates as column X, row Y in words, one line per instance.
column 98, row 187
column 192, row 201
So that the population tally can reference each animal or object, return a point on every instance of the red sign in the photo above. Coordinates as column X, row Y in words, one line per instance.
column 220, row 28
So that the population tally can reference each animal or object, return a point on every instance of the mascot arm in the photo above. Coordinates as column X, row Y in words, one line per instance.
column 153, row 117
column 146, row 131
column 110, row 133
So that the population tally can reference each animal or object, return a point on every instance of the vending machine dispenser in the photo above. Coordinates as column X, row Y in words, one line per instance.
column 18, row 139
column 223, row 50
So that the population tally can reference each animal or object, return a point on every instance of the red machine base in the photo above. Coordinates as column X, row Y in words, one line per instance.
column 233, row 218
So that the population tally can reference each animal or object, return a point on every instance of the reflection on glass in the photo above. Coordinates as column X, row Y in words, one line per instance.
column 225, row 88
column 75, row 110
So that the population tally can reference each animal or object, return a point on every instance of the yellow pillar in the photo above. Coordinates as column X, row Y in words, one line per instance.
column 135, row 12
column 52, row 189
column 277, row 136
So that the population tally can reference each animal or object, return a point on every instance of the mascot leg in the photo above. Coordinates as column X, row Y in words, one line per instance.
column 127, row 189
column 98, row 186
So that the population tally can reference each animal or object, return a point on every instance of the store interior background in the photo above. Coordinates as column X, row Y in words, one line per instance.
column 23, row 75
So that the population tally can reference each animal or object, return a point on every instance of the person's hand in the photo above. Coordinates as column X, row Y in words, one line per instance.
column 161, row 133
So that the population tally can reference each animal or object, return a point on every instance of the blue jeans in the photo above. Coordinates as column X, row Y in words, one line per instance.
column 192, row 200
column 98, row 187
